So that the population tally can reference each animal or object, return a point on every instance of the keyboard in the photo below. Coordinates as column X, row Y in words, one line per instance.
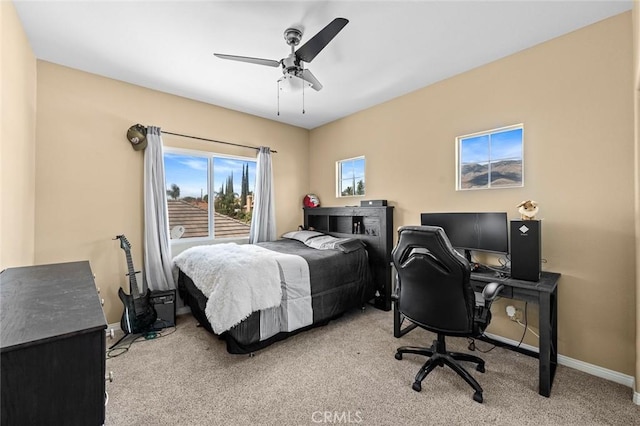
column 496, row 271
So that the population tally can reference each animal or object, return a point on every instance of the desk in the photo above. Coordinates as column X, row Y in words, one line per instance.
column 544, row 293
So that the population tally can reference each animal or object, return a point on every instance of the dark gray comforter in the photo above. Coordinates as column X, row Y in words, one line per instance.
column 339, row 281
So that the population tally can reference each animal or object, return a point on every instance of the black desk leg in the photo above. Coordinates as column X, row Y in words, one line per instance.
column 554, row 334
column 548, row 356
column 398, row 319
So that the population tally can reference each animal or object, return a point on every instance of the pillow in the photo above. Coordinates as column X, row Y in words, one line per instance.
column 328, row 242
column 350, row 244
column 324, row 242
column 302, row 236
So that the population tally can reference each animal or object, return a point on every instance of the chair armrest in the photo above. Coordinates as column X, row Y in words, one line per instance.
column 491, row 291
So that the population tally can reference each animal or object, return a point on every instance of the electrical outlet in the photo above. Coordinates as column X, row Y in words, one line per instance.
column 518, row 315
column 514, row 313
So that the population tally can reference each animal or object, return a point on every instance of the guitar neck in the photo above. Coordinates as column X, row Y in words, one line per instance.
column 133, row 284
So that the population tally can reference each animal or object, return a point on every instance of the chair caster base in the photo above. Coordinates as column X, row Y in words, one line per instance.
column 417, row 386
column 398, row 356
column 477, row 397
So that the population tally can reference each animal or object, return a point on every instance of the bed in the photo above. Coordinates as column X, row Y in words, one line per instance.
column 317, row 278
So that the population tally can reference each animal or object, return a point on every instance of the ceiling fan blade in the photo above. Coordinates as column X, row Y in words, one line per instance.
column 310, row 78
column 259, row 61
column 311, row 48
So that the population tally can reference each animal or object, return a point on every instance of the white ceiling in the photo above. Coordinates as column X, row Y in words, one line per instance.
column 389, row 48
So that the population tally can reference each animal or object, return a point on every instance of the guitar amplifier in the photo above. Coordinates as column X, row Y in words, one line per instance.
column 164, row 302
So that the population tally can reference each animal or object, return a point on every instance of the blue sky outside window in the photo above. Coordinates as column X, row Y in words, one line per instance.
column 491, row 159
column 190, row 173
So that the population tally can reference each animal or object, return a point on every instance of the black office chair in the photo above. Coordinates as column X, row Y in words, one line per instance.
column 434, row 292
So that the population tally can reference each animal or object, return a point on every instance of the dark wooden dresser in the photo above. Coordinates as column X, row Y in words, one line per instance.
column 52, row 342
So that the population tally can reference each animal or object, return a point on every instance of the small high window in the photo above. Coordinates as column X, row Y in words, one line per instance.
column 350, row 177
column 490, row 159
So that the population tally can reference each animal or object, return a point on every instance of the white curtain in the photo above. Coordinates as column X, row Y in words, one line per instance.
column 157, row 256
column 263, row 219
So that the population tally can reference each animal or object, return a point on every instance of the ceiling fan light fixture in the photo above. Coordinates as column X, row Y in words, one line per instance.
column 289, row 83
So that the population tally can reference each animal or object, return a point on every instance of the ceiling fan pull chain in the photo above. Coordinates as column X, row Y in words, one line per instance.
column 278, row 88
column 304, row 83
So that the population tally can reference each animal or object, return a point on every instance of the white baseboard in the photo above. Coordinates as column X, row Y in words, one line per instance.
column 594, row 370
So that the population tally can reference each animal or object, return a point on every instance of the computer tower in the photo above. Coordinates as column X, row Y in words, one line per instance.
column 526, row 237
column 164, row 302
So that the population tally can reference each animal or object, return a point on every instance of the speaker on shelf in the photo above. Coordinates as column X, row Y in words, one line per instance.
column 526, row 237
column 373, row 203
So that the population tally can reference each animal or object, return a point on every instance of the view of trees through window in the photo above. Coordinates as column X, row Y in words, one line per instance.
column 351, row 177
column 190, row 178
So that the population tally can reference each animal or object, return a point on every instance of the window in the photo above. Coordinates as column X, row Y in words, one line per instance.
column 491, row 159
column 190, row 177
column 350, row 177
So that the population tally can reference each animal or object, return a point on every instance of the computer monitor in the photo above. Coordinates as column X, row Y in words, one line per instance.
column 472, row 231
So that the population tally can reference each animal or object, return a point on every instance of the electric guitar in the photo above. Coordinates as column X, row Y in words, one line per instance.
column 139, row 315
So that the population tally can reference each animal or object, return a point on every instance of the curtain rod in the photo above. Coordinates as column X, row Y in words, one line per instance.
column 213, row 140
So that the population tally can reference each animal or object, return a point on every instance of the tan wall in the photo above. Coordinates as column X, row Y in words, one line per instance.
column 572, row 94
column 17, row 141
column 89, row 179
column 636, row 116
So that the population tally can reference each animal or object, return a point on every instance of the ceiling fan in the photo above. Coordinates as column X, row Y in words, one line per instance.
column 292, row 65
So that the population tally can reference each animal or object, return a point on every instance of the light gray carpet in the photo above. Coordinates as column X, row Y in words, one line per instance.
column 342, row 373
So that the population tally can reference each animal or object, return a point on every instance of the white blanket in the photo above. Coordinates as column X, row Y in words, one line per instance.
column 241, row 279
column 237, row 280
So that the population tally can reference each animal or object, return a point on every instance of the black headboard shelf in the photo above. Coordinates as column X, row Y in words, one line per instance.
column 373, row 225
